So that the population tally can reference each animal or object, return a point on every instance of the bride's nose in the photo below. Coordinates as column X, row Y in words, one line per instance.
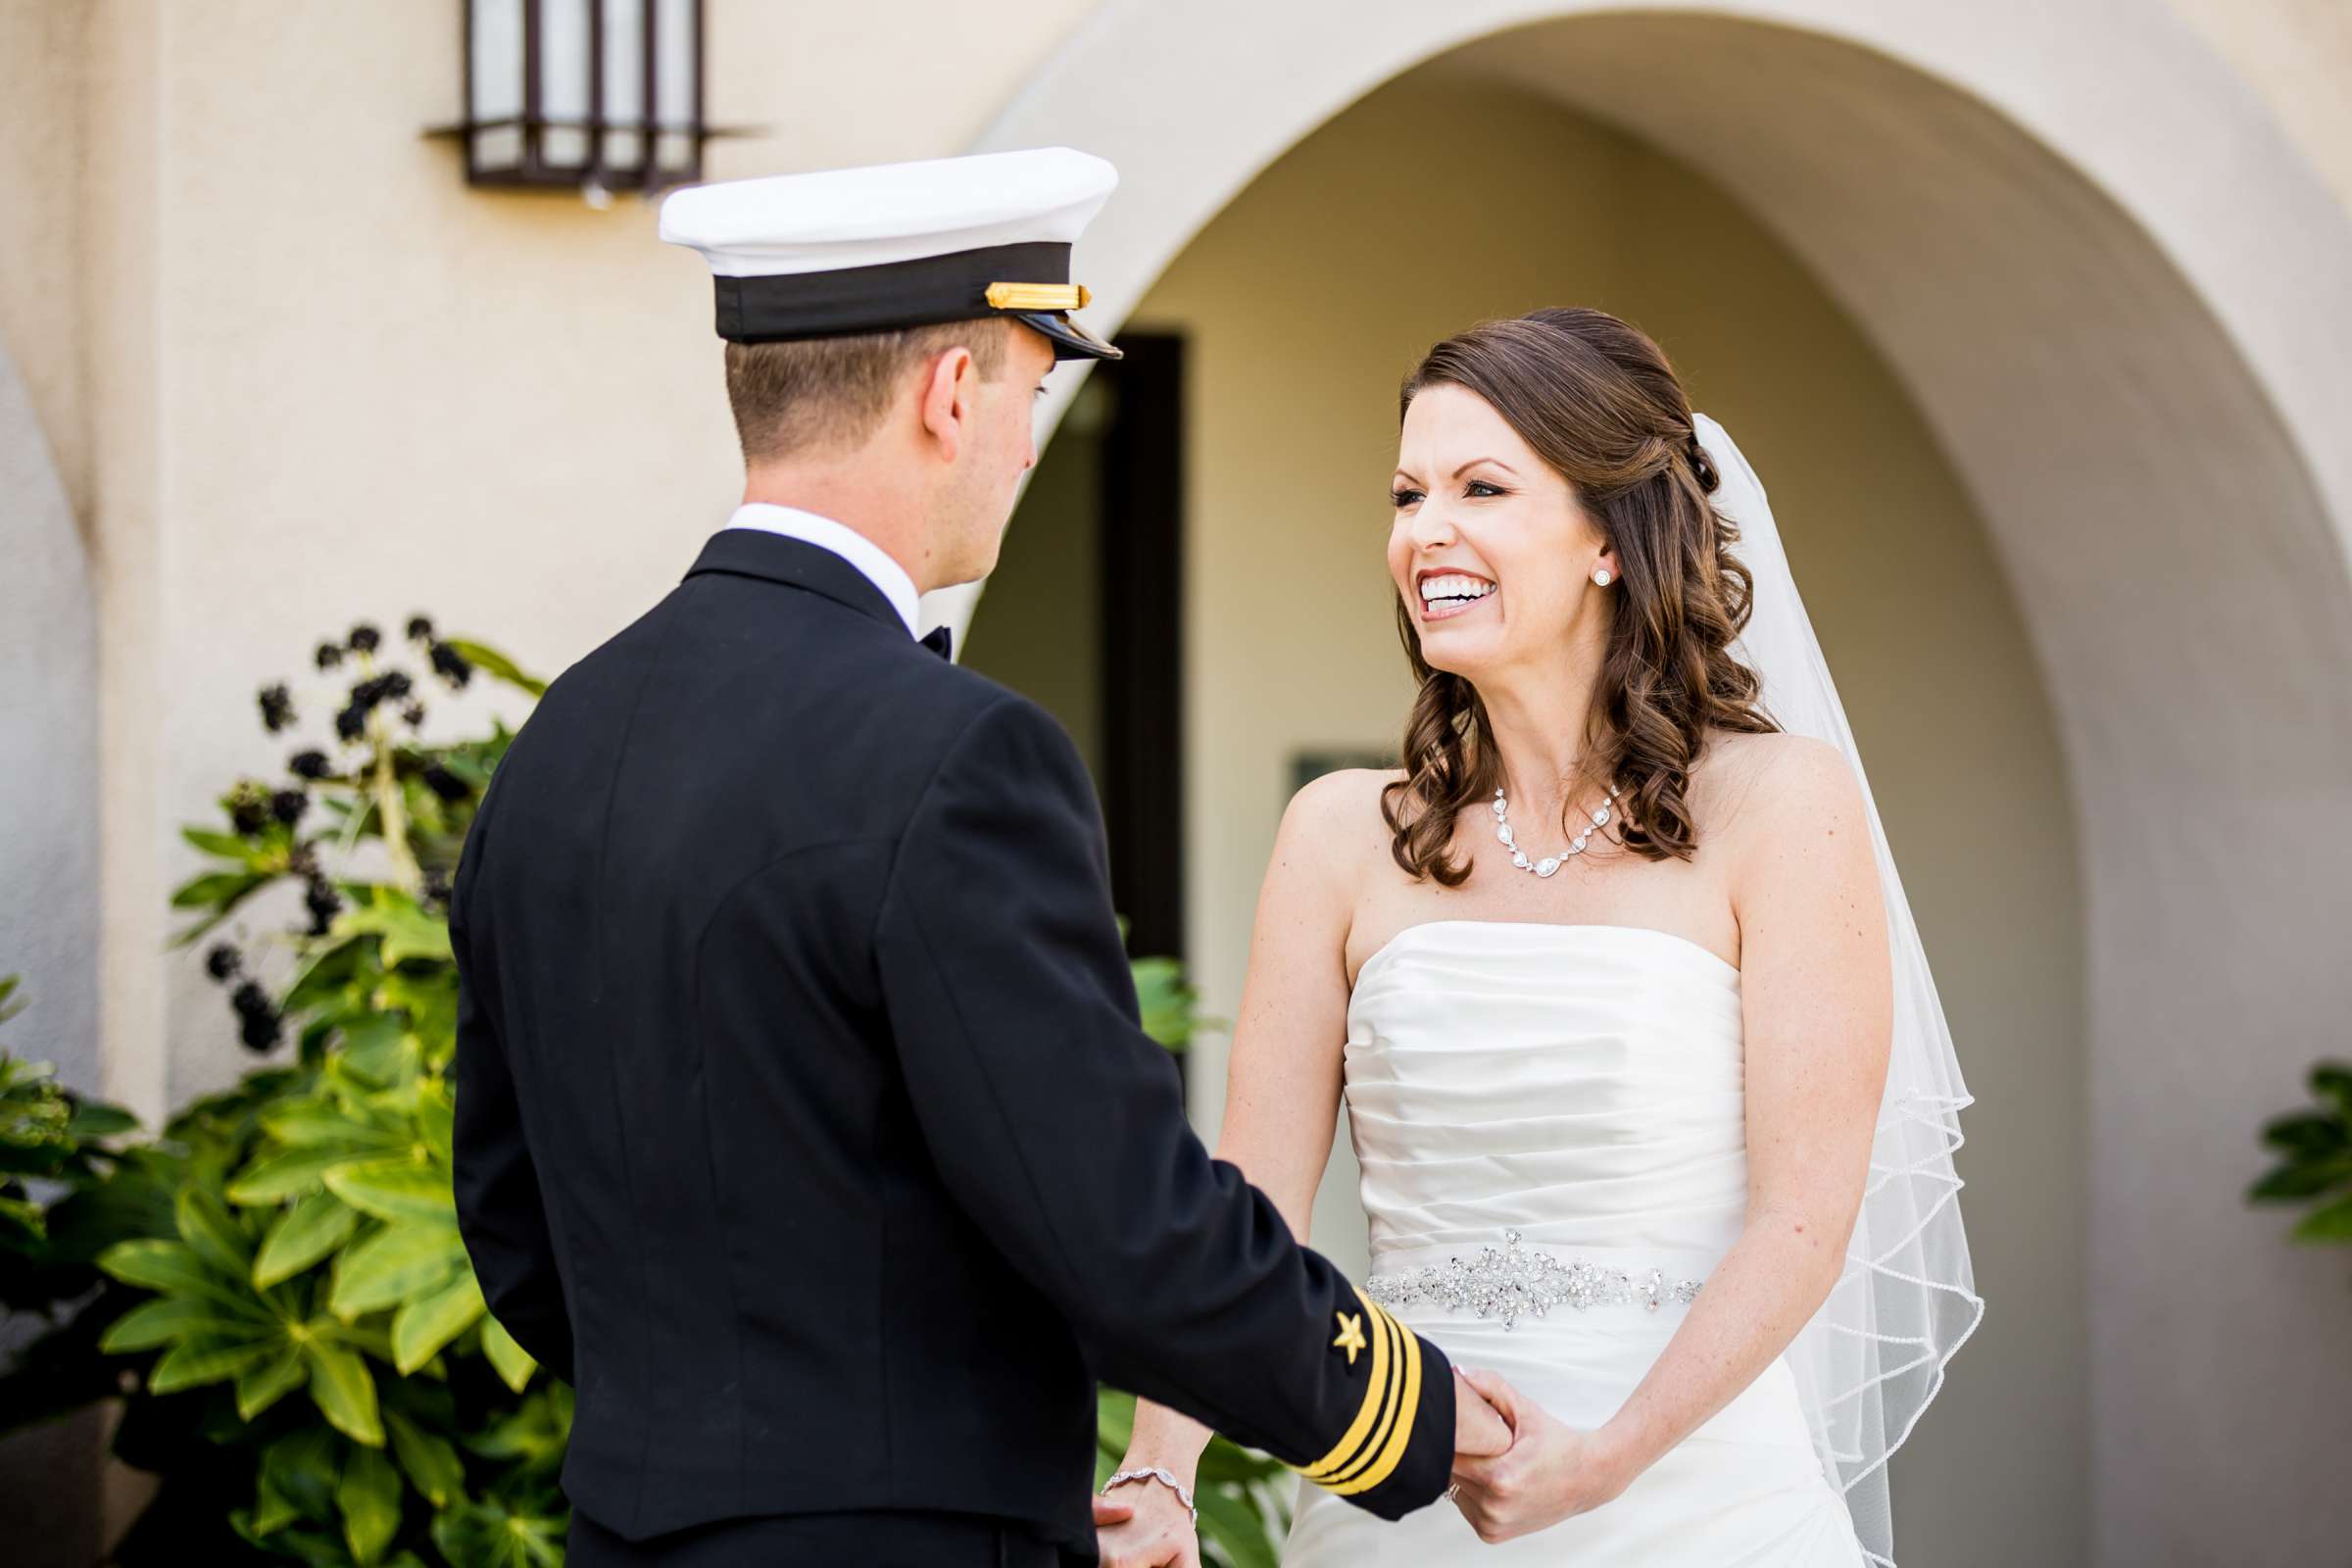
column 1430, row 528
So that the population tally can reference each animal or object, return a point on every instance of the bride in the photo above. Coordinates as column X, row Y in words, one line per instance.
column 1648, row 1079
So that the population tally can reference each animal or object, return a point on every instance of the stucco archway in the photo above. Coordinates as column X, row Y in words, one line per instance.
column 2115, row 291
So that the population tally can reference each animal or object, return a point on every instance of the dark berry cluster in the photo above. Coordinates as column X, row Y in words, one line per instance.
column 319, row 897
column 451, row 666
column 442, row 782
column 249, row 809
column 278, row 707
column 257, row 1023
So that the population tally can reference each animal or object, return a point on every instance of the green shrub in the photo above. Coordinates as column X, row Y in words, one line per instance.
column 2315, row 1158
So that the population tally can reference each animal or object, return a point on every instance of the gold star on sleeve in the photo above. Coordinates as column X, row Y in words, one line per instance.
column 1352, row 1335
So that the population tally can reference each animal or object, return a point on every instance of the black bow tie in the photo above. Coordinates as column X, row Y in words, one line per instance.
column 938, row 639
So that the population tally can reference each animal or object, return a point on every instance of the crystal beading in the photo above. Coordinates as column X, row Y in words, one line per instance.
column 1507, row 1282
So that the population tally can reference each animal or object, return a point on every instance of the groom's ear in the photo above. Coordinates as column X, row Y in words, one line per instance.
column 947, row 401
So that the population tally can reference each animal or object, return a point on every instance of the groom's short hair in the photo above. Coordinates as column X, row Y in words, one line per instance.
column 801, row 396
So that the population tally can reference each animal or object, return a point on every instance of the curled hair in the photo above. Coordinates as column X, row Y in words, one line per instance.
column 1596, row 399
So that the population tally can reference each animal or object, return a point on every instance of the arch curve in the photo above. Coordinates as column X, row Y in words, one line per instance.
column 2114, row 290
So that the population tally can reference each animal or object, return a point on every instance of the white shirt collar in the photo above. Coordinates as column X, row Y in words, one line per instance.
column 869, row 557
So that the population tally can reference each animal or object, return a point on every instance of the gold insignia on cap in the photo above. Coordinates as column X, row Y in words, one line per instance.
column 1039, row 296
column 1352, row 1335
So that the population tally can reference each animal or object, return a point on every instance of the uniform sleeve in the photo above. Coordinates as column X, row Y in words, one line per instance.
column 500, row 1211
column 1059, row 1126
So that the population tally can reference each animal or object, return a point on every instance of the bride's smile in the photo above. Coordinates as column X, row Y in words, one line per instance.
column 1452, row 592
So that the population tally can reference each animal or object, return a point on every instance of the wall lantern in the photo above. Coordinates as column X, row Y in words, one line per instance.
column 595, row 95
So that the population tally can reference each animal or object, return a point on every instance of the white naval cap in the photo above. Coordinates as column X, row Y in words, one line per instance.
column 896, row 245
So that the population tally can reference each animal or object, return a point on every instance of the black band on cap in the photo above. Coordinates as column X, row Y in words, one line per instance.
column 875, row 299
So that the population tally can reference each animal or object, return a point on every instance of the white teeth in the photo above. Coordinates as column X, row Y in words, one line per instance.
column 1462, row 588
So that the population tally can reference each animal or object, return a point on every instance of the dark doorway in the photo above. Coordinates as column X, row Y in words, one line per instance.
column 1085, row 613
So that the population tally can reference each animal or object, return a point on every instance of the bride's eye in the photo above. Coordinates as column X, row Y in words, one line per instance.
column 1476, row 485
column 1402, row 498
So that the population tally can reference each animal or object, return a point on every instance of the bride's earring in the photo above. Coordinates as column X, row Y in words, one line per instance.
column 1600, row 575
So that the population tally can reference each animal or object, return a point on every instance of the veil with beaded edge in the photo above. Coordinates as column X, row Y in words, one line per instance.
column 1873, row 1355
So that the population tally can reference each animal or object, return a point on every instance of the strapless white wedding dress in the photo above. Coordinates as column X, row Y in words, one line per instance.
column 1580, row 1086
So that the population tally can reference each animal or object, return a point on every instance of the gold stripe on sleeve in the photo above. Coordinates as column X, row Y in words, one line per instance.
column 1401, row 1433
column 1353, row 1439
column 1385, row 1327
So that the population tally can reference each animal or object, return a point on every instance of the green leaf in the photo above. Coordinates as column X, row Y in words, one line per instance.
column 395, row 1190
column 193, row 1362
column 535, row 1432
column 274, row 1178
column 491, row 1535
column 2312, row 1137
column 174, row 1269
column 396, row 1263
column 2294, row 1182
column 2332, row 1223
column 300, row 1468
column 264, row 1386
column 302, row 1236
column 224, row 888
column 436, row 1120
column 375, row 1048
column 408, row 932
column 214, row 1237
column 164, row 1319
column 228, row 846
column 431, row 1461
column 490, row 662
column 309, row 1123
column 429, row 1322
column 1234, row 1525
column 94, row 1119
column 345, row 1392
column 509, row 1359
column 272, row 1512
column 369, row 1499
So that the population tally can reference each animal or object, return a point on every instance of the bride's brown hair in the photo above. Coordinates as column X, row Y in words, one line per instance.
column 1596, row 399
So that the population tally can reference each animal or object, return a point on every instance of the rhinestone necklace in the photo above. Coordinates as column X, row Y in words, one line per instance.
column 1550, row 862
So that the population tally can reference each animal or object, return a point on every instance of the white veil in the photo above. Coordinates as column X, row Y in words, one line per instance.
column 1873, row 1356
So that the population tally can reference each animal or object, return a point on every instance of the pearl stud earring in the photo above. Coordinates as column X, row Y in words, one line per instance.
column 1600, row 575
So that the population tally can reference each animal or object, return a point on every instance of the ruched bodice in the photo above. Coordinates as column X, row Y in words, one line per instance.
column 1569, row 1100
column 1581, row 1084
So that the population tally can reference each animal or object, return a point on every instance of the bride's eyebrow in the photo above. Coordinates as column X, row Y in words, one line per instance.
column 1475, row 461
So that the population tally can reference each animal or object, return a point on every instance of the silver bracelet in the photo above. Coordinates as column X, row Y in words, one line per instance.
column 1155, row 1473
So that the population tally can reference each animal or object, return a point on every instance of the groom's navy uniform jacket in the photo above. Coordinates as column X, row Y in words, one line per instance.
column 805, row 1124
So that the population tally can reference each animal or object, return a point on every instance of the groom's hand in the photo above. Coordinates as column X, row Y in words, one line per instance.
column 1479, row 1430
column 1548, row 1473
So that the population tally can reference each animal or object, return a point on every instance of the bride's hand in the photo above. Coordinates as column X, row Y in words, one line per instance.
column 1144, row 1526
column 1549, row 1473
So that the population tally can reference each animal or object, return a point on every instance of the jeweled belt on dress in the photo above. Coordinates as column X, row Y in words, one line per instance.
column 1506, row 1283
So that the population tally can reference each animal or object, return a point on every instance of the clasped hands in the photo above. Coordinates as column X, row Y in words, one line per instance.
column 1515, row 1471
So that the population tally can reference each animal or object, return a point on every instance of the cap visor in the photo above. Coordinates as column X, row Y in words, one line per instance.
column 1070, row 340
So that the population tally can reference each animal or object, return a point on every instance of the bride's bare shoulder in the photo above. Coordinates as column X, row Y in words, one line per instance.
column 1335, row 819
column 1744, row 783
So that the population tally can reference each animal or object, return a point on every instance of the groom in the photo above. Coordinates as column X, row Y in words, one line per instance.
column 805, row 1124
